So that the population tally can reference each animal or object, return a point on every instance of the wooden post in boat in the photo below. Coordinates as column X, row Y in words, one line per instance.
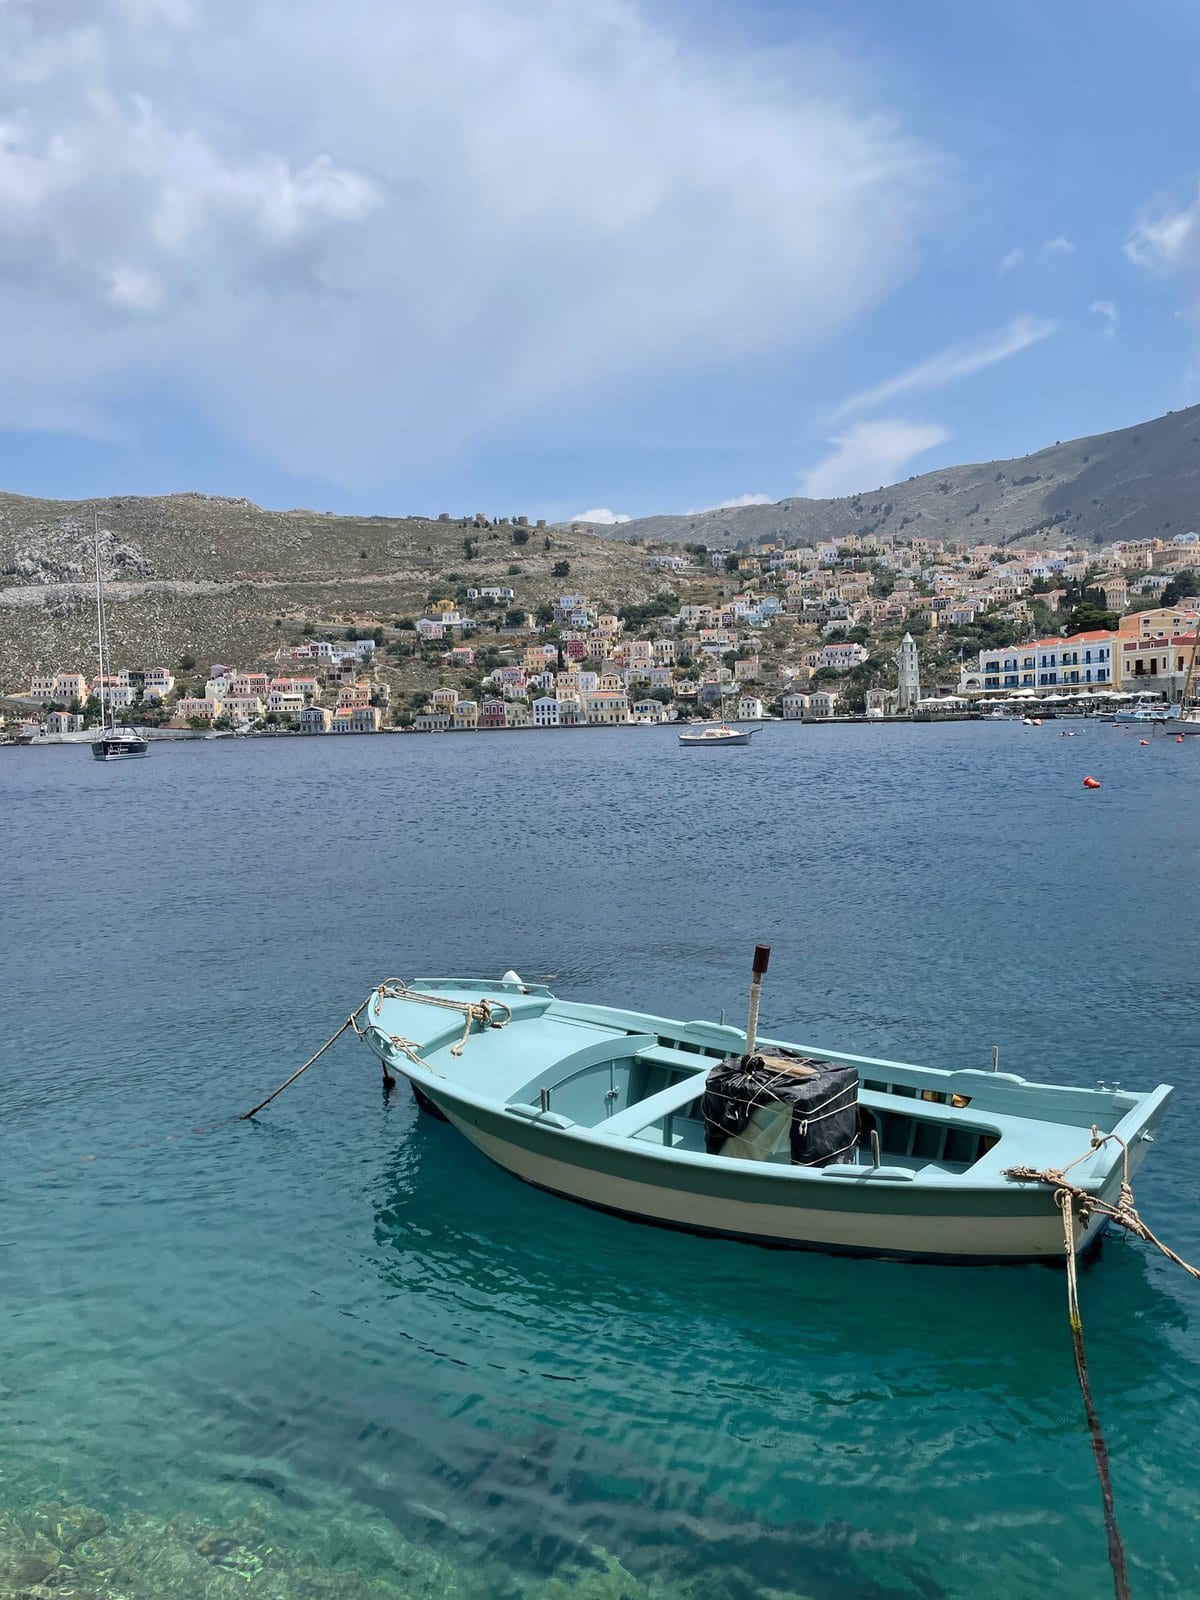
column 762, row 957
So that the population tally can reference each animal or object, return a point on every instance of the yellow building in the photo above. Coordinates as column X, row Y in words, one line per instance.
column 1163, row 622
column 205, row 708
column 1153, row 666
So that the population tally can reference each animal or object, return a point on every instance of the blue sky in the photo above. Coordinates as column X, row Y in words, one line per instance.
column 557, row 256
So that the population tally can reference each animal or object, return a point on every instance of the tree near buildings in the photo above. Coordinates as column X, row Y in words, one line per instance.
column 1187, row 583
column 1087, row 616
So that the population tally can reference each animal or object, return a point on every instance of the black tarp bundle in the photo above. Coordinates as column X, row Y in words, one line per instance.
column 823, row 1096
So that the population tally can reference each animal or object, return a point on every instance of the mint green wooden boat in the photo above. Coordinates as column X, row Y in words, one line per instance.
column 601, row 1106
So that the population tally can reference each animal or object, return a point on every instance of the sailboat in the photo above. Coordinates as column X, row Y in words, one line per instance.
column 719, row 734
column 1189, row 712
column 114, row 743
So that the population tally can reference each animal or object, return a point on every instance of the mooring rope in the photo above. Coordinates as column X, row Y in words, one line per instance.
column 350, row 1022
column 483, row 1012
column 1124, row 1213
column 1116, row 1549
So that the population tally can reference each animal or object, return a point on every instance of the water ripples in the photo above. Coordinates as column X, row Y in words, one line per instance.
column 340, row 1328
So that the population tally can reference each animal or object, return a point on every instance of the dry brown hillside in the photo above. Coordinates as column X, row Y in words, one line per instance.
column 225, row 579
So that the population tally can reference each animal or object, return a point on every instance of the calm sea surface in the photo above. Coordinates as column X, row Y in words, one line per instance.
column 334, row 1353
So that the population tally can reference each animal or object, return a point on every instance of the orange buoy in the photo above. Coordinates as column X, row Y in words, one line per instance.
column 1091, row 783
column 1037, row 722
column 1143, row 741
column 1178, row 738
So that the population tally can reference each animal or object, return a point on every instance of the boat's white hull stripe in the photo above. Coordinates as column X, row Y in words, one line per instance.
column 869, row 1231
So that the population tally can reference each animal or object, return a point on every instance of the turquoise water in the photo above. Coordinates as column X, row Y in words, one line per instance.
column 335, row 1353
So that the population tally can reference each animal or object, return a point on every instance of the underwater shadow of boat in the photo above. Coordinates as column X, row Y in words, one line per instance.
column 542, row 1390
column 449, row 1221
column 528, row 1508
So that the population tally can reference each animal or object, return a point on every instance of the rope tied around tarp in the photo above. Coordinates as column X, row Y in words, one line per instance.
column 1124, row 1213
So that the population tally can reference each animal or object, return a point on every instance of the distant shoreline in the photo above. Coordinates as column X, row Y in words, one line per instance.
column 190, row 736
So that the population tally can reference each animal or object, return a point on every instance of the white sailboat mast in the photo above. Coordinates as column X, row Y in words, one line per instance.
column 1190, row 675
column 101, row 630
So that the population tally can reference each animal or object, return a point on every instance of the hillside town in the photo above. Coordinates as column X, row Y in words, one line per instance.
column 810, row 633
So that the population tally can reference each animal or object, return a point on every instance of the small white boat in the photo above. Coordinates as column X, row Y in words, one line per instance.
column 1147, row 711
column 721, row 734
column 699, row 1126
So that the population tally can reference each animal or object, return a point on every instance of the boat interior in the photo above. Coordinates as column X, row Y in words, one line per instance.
column 652, row 1092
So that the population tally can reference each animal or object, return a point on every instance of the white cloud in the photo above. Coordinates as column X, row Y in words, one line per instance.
column 1166, row 237
column 869, row 454
column 601, row 514
column 1107, row 310
column 732, row 504
column 354, row 247
column 1060, row 245
column 956, row 361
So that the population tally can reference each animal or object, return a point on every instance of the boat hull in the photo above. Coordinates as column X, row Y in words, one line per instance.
column 101, row 754
column 1022, row 1224
column 1137, row 719
column 695, row 741
column 119, row 749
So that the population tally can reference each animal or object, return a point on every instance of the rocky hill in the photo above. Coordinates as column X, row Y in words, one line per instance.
column 224, row 579
column 1130, row 484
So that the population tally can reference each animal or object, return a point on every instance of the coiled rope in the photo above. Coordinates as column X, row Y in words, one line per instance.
column 481, row 1011
column 1124, row 1213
